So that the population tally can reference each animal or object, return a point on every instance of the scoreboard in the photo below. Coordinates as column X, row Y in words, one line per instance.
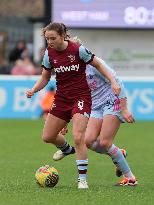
column 131, row 14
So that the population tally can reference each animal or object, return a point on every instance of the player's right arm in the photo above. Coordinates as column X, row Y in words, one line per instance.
column 40, row 84
column 45, row 77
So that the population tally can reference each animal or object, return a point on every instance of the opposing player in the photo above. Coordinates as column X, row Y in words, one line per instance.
column 73, row 96
column 108, row 111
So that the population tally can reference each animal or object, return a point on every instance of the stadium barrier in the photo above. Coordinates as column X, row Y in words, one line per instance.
column 13, row 101
column 14, row 104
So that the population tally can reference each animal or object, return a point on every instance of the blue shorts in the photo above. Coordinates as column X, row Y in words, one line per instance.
column 111, row 106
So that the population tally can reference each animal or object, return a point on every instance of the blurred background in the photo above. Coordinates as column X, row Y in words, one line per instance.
column 120, row 32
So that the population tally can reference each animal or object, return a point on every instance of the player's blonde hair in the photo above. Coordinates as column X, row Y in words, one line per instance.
column 76, row 39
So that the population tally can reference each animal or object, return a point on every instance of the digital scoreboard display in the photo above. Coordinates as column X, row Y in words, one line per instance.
column 135, row 14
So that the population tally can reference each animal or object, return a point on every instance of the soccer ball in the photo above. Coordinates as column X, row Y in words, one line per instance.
column 47, row 176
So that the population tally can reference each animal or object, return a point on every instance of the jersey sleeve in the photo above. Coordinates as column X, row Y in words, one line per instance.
column 45, row 62
column 85, row 54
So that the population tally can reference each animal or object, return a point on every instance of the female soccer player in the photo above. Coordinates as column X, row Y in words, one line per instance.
column 108, row 111
column 73, row 96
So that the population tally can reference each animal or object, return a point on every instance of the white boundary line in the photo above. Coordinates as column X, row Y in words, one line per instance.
column 138, row 78
column 21, row 77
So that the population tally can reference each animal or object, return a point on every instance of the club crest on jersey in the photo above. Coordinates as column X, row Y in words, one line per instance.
column 72, row 58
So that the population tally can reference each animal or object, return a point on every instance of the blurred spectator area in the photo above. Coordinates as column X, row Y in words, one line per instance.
column 22, row 8
column 15, row 29
column 15, row 24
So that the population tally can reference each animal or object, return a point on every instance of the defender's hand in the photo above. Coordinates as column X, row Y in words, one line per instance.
column 127, row 115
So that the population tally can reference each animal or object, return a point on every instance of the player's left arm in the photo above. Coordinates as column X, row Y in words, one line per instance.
column 104, row 71
column 90, row 58
column 127, row 115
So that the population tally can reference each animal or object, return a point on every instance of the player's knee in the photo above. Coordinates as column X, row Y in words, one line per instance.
column 48, row 138
column 78, row 137
column 89, row 139
column 106, row 144
column 88, row 142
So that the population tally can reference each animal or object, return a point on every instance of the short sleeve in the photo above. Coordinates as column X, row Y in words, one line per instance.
column 85, row 54
column 46, row 62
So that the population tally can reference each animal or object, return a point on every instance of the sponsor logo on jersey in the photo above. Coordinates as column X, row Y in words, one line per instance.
column 67, row 68
column 72, row 58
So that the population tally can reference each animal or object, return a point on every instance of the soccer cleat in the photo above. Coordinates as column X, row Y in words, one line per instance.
column 82, row 184
column 118, row 171
column 127, row 182
column 60, row 155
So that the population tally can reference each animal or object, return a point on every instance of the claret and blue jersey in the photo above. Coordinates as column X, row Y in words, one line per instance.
column 69, row 66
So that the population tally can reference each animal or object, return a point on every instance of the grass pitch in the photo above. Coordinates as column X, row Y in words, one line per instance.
column 22, row 152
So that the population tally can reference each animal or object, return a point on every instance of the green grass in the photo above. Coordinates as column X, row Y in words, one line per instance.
column 22, row 152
